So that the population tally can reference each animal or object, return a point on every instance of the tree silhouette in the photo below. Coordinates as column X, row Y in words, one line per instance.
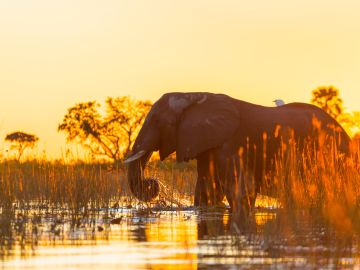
column 128, row 115
column 20, row 141
column 327, row 98
column 351, row 122
column 106, row 135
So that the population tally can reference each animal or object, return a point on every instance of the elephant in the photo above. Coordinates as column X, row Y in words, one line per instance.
column 229, row 138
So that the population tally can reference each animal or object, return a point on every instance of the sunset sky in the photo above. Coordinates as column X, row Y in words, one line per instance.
column 54, row 54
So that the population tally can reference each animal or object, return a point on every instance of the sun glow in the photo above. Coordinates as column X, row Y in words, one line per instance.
column 57, row 53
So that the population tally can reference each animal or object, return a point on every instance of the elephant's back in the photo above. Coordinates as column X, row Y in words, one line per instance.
column 307, row 111
column 317, row 118
column 301, row 106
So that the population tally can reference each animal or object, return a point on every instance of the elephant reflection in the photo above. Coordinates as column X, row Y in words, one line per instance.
column 213, row 224
column 233, row 141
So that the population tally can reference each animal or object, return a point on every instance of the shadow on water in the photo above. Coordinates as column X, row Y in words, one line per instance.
column 185, row 238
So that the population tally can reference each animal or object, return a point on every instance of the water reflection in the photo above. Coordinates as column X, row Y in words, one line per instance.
column 186, row 239
column 213, row 224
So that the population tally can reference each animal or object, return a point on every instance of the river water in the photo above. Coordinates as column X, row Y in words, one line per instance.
column 185, row 238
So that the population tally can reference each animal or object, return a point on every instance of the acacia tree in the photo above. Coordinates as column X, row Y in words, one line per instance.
column 128, row 115
column 106, row 135
column 20, row 141
column 327, row 98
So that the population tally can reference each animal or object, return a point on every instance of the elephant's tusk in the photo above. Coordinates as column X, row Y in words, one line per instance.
column 135, row 156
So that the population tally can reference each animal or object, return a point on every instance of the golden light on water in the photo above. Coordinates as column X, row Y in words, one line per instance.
column 182, row 235
column 263, row 218
column 169, row 243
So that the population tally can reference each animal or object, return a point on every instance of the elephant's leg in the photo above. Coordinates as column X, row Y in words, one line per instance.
column 200, row 198
column 208, row 190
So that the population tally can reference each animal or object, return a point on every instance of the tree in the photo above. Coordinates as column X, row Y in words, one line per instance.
column 128, row 115
column 110, row 134
column 20, row 141
column 327, row 98
column 351, row 122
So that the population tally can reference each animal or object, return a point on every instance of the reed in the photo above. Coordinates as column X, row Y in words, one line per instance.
column 321, row 182
column 84, row 185
column 55, row 183
column 315, row 179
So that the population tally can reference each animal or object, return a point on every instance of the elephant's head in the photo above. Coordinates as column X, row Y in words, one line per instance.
column 188, row 123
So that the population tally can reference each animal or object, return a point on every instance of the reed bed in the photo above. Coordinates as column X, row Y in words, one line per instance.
column 316, row 180
column 85, row 185
column 316, row 191
column 40, row 198
column 318, row 184
column 57, row 184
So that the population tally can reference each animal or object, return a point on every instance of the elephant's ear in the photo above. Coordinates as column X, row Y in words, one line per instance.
column 206, row 125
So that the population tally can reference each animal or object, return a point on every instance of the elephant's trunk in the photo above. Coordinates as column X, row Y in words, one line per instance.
column 145, row 189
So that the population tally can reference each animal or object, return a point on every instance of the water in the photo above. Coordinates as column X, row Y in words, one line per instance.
column 172, row 239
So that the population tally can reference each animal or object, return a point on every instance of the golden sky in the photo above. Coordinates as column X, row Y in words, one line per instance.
column 54, row 54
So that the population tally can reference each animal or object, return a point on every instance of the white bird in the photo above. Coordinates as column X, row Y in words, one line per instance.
column 279, row 102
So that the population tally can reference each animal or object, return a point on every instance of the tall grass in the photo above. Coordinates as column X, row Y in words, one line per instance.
column 58, row 195
column 55, row 183
column 315, row 179
column 320, row 181
column 84, row 185
column 315, row 188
